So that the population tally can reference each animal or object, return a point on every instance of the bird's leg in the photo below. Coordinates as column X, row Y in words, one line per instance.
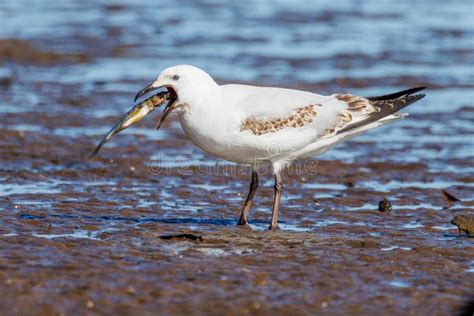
column 276, row 202
column 245, row 210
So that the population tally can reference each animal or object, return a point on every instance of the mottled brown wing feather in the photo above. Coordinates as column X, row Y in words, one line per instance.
column 300, row 117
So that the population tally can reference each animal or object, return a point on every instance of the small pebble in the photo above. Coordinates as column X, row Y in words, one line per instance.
column 131, row 290
column 385, row 206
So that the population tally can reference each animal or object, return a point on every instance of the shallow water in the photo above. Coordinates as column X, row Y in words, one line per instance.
column 76, row 233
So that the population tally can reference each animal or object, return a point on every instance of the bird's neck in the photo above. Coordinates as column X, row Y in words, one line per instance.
column 201, row 99
column 204, row 119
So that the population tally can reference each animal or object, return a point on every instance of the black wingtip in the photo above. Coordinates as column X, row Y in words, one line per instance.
column 414, row 90
column 397, row 94
column 414, row 97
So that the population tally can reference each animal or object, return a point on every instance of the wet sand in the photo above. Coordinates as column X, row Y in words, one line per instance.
column 104, row 236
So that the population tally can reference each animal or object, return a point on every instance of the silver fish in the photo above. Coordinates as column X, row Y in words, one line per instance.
column 137, row 113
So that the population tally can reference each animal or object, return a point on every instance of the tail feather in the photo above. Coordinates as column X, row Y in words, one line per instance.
column 387, row 105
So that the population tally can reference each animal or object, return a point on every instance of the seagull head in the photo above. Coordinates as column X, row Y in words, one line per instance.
column 184, row 81
column 185, row 85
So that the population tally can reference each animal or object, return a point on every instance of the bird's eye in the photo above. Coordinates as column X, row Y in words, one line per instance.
column 175, row 77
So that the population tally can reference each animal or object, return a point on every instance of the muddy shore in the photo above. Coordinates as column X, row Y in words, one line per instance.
column 104, row 236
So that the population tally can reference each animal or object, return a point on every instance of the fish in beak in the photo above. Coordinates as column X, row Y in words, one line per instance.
column 140, row 110
column 168, row 109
